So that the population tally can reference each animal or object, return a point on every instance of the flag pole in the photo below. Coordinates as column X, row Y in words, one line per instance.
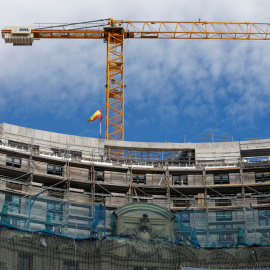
column 100, row 129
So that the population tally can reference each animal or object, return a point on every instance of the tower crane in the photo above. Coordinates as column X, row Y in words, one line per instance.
column 114, row 32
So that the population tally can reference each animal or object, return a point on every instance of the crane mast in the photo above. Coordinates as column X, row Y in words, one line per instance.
column 114, row 125
column 114, row 32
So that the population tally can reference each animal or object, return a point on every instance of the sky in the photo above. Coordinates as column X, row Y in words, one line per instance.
column 174, row 87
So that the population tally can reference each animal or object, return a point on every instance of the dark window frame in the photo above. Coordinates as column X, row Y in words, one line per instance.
column 139, row 178
column 54, row 170
column 264, row 217
column 224, row 226
column 221, row 179
column 185, row 218
column 55, row 210
column 224, row 216
column 99, row 175
column 265, row 238
column 13, row 205
column 262, row 177
column 67, row 152
column 21, row 145
column 225, row 239
column 180, row 180
column 12, row 162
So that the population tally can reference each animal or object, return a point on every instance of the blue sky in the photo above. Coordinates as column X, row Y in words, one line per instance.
column 174, row 87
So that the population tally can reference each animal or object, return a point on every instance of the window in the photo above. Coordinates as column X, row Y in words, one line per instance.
column 185, row 218
column 55, row 210
column 14, row 203
column 224, row 226
column 55, row 170
column 15, row 222
column 57, row 229
column 180, row 180
column 220, row 179
column 265, row 238
column 186, row 157
column 13, row 162
column 139, row 178
column 99, row 176
column 23, row 146
column 225, row 239
column 66, row 153
column 264, row 217
column 262, row 177
column 223, row 216
column 25, row 261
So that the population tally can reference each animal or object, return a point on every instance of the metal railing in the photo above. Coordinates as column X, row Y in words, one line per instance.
column 206, row 138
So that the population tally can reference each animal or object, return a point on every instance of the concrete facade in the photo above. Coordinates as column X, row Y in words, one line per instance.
column 222, row 176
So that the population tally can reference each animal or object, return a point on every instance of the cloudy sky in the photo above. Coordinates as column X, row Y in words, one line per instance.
column 174, row 87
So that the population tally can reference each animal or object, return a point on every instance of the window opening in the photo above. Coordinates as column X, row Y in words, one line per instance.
column 99, row 176
column 180, row 180
column 139, row 178
column 220, row 179
column 66, row 152
column 55, row 170
column 262, row 177
column 225, row 239
column 13, row 162
column 55, row 210
column 14, row 203
column 264, row 217
column 223, row 216
column 23, row 146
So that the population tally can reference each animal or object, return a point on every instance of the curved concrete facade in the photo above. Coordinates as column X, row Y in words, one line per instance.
column 173, row 175
column 220, row 176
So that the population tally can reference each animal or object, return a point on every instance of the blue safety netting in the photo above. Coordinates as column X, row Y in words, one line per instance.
column 208, row 229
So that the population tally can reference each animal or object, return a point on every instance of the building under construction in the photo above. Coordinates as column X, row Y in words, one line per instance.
column 167, row 198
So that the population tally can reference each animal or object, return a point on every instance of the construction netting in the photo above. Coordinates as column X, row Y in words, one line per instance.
column 213, row 229
column 217, row 229
column 44, row 232
column 23, row 250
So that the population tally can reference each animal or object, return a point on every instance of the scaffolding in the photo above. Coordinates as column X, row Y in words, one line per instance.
column 113, row 177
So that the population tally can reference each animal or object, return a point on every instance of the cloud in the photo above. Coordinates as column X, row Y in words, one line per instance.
column 198, row 85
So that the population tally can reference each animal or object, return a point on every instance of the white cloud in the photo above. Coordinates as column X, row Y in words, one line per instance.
column 197, row 80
